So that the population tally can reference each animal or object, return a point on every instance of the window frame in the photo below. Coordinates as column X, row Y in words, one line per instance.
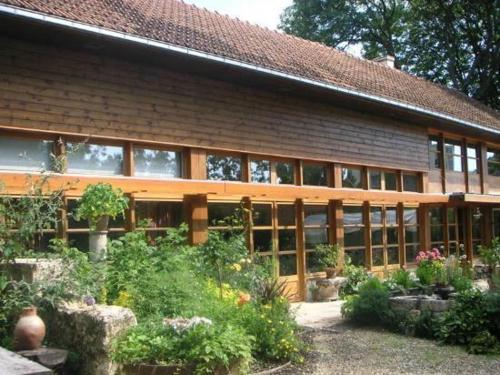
column 447, row 155
column 490, row 150
column 157, row 147
column 222, row 154
column 97, row 142
column 363, row 228
column 326, row 226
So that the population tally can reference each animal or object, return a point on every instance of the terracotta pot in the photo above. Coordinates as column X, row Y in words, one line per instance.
column 30, row 330
column 102, row 224
column 331, row 272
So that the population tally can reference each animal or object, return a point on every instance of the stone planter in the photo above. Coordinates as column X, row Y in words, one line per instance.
column 145, row 369
column 443, row 291
column 97, row 245
column 328, row 289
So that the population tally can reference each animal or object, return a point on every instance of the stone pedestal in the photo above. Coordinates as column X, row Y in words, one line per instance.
column 328, row 289
column 33, row 270
column 89, row 331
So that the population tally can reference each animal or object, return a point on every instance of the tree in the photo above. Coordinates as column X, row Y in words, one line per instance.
column 452, row 42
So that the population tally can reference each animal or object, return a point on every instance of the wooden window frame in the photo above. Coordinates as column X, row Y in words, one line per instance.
column 243, row 164
column 327, row 167
column 453, row 155
column 326, row 226
column 130, row 147
column 488, row 162
column 363, row 174
column 404, row 227
column 477, row 158
column 364, row 228
column 384, row 226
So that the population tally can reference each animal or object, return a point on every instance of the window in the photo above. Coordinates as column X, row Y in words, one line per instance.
column 382, row 180
column 493, row 157
column 287, row 240
column 157, row 163
column 496, row 222
column 159, row 215
column 94, row 159
column 472, row 159
column 262, row 228
column 316, row 226
column 436, row 216
column 285, row 173
column 315, row 174
column 477, row 230
column 260, row 171
column 25, row 154
column 410, row 182
column 354, row 234
column 223, row 168
column 453, row 155
column 78, row 231
column 351, row 178
column 384, row 235
column 435, row 152
column 412, row 237
column 455, row 232
column 223, row 214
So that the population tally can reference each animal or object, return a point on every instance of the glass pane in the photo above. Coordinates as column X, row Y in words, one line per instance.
column 410, row 216
column 376, row 215
column 263, row 240
column 476, row 231
column 472, row 151
column 262, row 214
column 435, row 160
column 378, row 257
column 377, row 238
column 226, row 168
column 161, row 214
column 496, row 223
column 354, row 236
column 375, row 179
column 286, row 240
column 452, row 216
column 494, row 169
column 85, row 158
column 410, row 182
column 437, row 233
column 157, row 163
column 285, row 173
column 436, row 216
column 391, row 216
column 71, row 207
column 472, row 165
column 219, row 213
column 434, row 144
column 312, row 262
column 390, row 181
column 351, row 178
column 493, row 157
column 411, row 234
column 411, row 253
column 392, row 236
column 452, row 233
column 315, row 236
column 393, row 255
column 79, row 240
column 357, row 256
column 315, row 174
column 315, row 215
column 260, row 171
column 288, row 265
column 353, row 215
column 25, row 154
column 452, row 148
column 286, row 214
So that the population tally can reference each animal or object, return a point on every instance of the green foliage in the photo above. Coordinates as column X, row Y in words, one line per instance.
column 465, row 320
column 370, row 306
column 452, row 43
column 328, row 255
column 483, row 343
column 100, row 200
column 490, row 255
column 268, row 289
column 429, row 271
column 208, row 347
column 356, row 275
column 403, row 279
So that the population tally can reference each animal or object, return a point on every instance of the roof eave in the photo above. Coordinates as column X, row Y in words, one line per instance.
column 6, row 9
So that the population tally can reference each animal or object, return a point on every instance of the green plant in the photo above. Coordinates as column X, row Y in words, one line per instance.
column 100, row 200
column 207, row 347
column 356, row 275
column 268, row 289
column 483, row 343
column 370, row 306
column 328, row 255
column 490, row 255
column 430, row 267
column 403, row 279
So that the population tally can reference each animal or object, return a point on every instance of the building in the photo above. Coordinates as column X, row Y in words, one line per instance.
column 191, row 113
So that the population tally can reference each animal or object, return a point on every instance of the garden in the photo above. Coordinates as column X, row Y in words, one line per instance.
column 200, row 309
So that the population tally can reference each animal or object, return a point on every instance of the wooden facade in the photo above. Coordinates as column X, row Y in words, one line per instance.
column 357, row 178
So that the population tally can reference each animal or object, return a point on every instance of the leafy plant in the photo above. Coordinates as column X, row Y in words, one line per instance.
column 269, row 289
column 328, row 255
column 490, row 255
column 403, row 279
column 370, row 306
column 356, row 275
column 100, row 200
column 483, row 343
column 430, row 267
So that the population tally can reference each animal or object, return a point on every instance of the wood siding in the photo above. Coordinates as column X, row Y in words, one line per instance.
column 48, row 88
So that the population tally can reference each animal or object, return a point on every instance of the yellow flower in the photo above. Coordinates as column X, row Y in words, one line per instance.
column 236, row 267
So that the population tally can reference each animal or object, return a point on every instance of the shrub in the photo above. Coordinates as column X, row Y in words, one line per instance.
column 370, row 306
column 328, row 255
column 483, row 343
column 356, row 275
column 208, row 347
column 430, row 266
column 403, row 279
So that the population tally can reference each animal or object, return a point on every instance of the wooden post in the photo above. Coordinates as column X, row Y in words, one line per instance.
column 196, row 164
column 465, row 164
column 245, row 168
column 336, row 214
column 62, row 226
column 128, row 159
column 468, row 232
column 424, row 227
column 487, row 225
column 301, row 254
column 130, row 218
column 337, row 176
column 368, row 235
column 443, row 166
column 247, row 205
column 197, row 217
column 299, row 175
column 401, row 234
column 483, row 168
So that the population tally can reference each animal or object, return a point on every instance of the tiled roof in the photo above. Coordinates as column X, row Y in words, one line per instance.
column 179, row 24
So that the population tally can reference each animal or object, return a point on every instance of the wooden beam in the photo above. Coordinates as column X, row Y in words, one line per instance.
column 468, row 232
column 336, row 211
column 368, row 235
column 483, row 167
column 301, row 254
column 401, row 234
column 197, row 211
column 196, row 164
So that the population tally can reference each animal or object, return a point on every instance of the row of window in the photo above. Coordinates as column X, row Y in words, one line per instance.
column 99, row 159
column 456, row 156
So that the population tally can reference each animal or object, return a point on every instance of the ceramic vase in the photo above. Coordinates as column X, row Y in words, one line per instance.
column 29, row 331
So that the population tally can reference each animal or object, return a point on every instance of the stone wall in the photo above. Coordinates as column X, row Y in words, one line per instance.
column 33, row 270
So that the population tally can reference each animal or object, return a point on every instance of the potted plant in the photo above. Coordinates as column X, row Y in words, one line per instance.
column 490, row 255
column 98, row 203
column 328, row 256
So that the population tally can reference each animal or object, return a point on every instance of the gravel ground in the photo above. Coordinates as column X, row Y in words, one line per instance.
column 344, row 349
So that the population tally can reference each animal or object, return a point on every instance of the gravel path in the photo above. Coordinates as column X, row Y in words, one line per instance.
column 344, row 349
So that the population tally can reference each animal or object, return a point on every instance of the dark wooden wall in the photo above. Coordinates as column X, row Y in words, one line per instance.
column 61, row 90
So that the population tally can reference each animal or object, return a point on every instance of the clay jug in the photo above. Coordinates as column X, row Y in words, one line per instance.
column 30, row 330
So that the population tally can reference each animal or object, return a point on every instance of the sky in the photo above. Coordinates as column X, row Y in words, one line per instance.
column 262, row 12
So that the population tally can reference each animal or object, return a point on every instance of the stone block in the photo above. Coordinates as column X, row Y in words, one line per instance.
column 89, row 332
column 33, row 270
column 404, row 302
